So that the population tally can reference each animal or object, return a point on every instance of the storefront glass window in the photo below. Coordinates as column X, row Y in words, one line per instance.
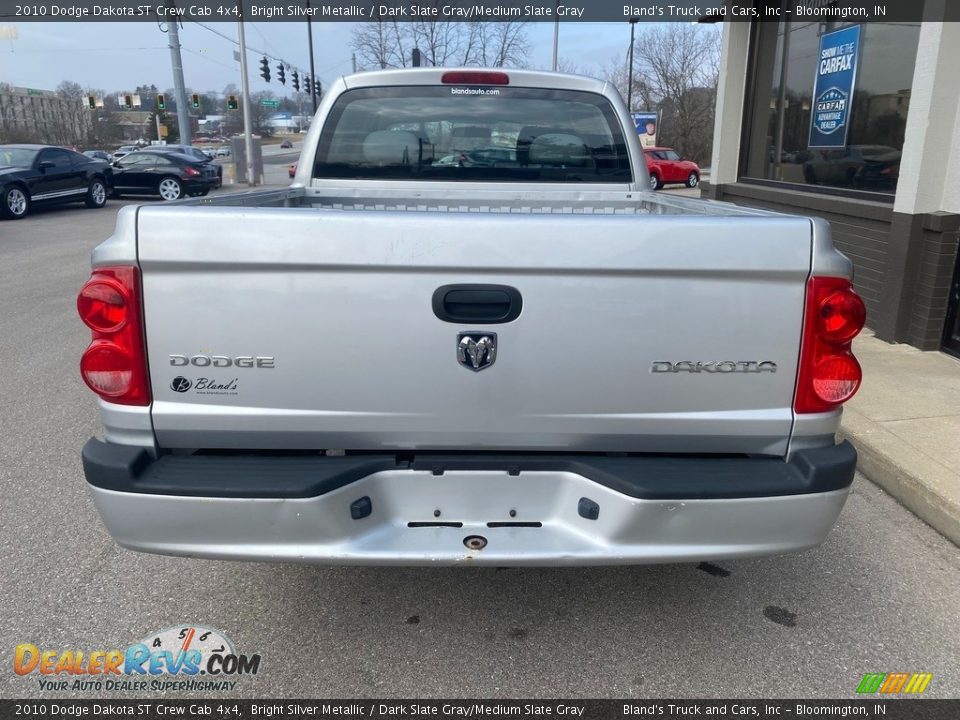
column 862, row 150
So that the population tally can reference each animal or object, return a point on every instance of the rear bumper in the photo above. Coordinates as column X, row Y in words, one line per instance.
column 530, row 509
column 198, row 184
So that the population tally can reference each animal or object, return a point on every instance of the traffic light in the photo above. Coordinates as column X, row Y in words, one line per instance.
column 296, row 81
column 265, row 69
column 317, row 88
column 307, row 87
column 231, row 102
column 281, row 75
column 161, row 102
column 92, row 102
column 195, row 98
column 128, row 101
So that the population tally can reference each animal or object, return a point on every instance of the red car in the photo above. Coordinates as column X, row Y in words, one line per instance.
column 666, row 166
column 292, row 170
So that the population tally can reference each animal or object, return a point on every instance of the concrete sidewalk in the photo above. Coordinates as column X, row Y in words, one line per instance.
column 905, row 424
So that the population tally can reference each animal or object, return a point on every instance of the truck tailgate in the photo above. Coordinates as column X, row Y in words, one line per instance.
column 338, row 306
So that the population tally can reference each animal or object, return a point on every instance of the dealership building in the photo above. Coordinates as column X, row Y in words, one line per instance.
column 858, row 124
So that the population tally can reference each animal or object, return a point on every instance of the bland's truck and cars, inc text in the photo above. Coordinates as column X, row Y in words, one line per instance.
column 469, row 333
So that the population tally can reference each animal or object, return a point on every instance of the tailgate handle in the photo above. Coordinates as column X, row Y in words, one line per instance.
column 489, row 304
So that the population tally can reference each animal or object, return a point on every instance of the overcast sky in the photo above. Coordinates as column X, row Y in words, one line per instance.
column 118, row 56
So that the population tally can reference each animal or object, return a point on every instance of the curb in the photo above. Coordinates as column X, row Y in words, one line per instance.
column 930, row 490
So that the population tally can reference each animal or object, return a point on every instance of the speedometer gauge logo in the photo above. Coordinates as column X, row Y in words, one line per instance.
column 201, row 642
column 188, row 650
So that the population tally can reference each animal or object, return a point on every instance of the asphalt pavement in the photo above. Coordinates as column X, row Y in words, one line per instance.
column 880, row 595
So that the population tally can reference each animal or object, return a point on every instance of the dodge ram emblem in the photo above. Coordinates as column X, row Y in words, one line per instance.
column 476, row 350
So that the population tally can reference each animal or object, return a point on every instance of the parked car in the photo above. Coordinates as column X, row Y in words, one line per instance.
column 98, row 155
column 535, row 364
column 867, row 167
column 43, row 174
column 169, row 175
column 292, row 170
column 223, row 151
column 489, row 157
column 122, row 151
column 448, row 160
column 667, row 167
column 197, row 154
column 286, row 145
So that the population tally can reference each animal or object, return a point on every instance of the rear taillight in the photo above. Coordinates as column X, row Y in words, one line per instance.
column 190, row 171
column 829, row 373
column 115, row 364
column 474, row 77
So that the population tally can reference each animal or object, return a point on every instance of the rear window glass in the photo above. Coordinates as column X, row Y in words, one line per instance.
column 473, row 134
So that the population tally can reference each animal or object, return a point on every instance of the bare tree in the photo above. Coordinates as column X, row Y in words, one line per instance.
column 375, row 43
column 566, row 65
column 382, row 44
column 70, row 90
column 442, row 43
column 499, row 44
column 676, row 70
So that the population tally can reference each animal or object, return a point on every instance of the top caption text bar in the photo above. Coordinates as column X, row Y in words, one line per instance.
column 830, row 11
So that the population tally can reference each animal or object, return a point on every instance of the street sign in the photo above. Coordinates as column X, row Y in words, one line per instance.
column 270, row 103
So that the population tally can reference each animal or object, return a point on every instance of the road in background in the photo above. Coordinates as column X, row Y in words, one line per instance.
column 276, row 160
column 881, row 595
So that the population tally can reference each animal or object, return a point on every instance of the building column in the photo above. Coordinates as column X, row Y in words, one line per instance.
column 923, row 233
column 728, row 121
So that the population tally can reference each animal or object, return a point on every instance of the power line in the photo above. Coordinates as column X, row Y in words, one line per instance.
column 264, row 38
column 257, row 51
column 209, row 59
column 271, row 56
column 98, row 49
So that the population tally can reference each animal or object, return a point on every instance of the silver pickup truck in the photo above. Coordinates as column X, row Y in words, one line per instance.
column 469, row 333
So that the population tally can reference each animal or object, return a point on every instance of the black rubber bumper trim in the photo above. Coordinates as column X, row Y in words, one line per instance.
column 130, row 469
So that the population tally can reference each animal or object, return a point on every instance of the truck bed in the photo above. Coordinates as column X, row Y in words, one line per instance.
column 474, row 200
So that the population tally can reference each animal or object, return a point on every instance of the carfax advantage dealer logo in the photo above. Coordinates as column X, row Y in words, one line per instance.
column 179, row 658
column 894, row 683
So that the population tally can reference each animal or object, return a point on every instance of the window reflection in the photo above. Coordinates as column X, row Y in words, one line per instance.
column 785, row 65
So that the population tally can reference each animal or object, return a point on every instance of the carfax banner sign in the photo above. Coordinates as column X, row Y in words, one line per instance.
column 833, row 87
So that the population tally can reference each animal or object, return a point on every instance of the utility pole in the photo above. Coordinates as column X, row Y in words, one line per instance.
column 313, row 74
column 354, row 62
column 245, row 84
column 556, row 32
column 633, row 25
column 183, row 116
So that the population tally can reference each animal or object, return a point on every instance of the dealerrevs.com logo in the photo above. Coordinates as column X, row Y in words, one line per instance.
column 188, row 658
